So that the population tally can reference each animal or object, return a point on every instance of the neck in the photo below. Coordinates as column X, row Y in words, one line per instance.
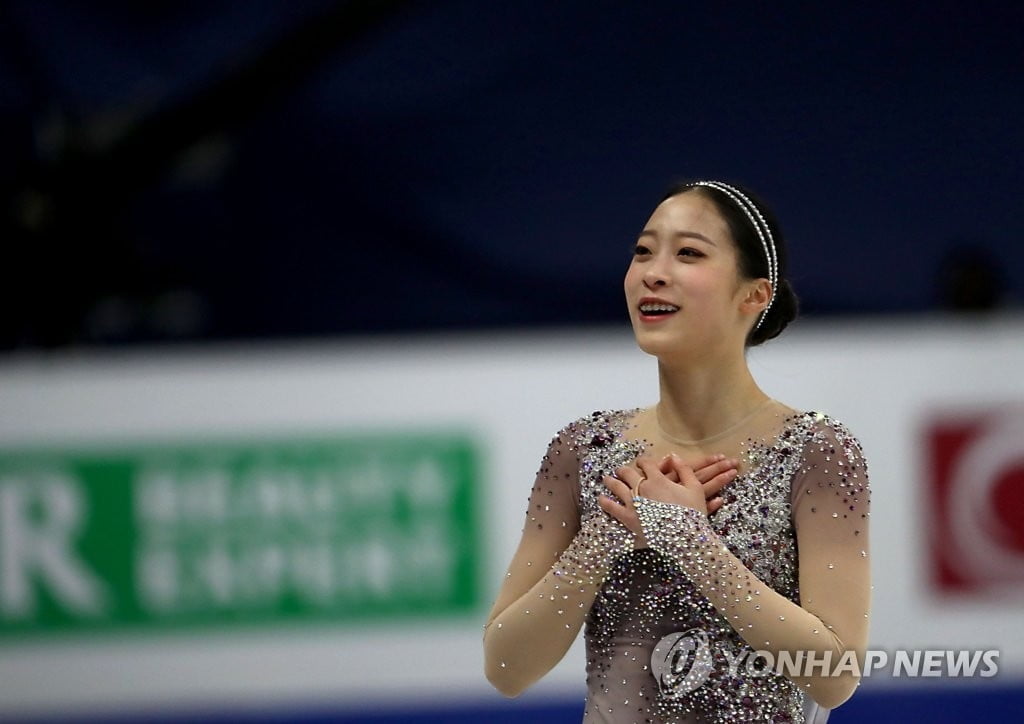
column 699, row 401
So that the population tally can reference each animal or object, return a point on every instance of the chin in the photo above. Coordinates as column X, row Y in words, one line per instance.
column 659, row 345
column 664, row 353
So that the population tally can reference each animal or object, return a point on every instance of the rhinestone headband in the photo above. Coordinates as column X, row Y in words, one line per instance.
column 760, row 226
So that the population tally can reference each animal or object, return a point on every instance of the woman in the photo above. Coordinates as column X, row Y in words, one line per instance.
column 673, row 531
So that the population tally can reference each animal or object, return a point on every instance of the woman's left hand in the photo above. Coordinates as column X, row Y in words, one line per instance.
column 653, row 484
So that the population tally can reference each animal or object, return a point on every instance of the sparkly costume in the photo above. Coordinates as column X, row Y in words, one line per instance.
column 671, row 629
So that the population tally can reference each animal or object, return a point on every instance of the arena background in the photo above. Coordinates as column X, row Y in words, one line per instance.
column 297, row 292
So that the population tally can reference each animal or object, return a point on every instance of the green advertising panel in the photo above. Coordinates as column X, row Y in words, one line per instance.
column 241, row 533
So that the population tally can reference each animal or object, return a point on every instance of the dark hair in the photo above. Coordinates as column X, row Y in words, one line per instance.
column 752, row 261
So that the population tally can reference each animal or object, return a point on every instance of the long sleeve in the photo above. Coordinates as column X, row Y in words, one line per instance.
column 554, row 576
column 830, row 508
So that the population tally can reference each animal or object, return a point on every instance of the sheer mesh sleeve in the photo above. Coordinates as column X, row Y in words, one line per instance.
column 554, row 576
column 830, row 515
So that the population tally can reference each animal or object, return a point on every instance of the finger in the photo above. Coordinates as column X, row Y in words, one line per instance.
column 714, row 504
column 619, row 489
column 629, row 474
column 649, row 468
column 621, row 513
column 686, row 475
column 705, row 462
column 716, row 467
column 611, row 507
column 714, row 486
column 665, row 466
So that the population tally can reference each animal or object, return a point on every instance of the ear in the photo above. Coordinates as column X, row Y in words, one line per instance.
column 758, row 292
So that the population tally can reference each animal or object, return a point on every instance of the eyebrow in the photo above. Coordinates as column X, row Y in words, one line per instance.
column 681, row 234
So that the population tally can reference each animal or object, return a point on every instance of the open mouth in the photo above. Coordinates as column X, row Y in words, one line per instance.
column 657, row 309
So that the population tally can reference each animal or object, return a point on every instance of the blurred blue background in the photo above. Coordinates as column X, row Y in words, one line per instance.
column 253, row 169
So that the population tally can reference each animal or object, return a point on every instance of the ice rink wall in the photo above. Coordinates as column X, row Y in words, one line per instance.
column 316, row 532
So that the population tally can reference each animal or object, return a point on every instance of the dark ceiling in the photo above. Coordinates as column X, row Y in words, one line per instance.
column 236, row 170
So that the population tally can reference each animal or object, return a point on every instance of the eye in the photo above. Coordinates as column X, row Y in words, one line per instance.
column 640, row 250
column 690, row 251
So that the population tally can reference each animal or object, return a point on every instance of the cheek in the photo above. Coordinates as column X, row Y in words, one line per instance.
column 631, row 279
column 709, row 284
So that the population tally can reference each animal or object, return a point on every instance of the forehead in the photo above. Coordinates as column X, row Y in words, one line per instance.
column 690, row 211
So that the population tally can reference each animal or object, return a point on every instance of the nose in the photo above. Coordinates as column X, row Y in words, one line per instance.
column 655, row 275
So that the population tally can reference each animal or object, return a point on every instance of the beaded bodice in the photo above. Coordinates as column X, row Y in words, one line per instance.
column 647, row 597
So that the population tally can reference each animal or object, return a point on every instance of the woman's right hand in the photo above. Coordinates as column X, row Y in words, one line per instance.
column 713, row 472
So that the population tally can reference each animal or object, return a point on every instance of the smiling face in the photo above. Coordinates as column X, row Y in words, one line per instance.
column 683, row 287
